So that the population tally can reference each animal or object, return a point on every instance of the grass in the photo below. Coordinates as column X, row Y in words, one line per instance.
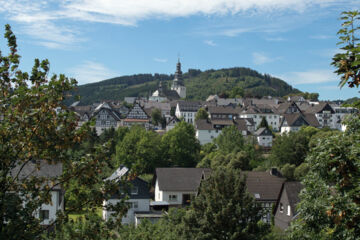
column 76, row 215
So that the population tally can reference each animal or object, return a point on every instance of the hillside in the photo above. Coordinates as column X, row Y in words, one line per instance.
column 199, row 85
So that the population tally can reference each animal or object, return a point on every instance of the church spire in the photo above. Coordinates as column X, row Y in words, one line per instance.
column 178, row 73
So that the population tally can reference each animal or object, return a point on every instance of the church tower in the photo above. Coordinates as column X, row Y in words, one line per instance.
column 178, row 82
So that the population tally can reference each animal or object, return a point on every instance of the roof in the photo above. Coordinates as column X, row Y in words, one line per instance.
column 223, row 110
column 298, row 120
column 41, row 168
column 204, row 124
column 264, row 184
column 283, row 107
column 189, row 106
column 292, row 190
column 263, row 132
column 180, row 179
column 318, row 108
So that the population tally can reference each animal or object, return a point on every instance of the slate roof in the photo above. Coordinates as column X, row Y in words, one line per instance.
column 224, row 110
column 204, row 124
column 40, row 168
column 318, row 108
column 295, row 119
column 263, row 132
column 189, row 106
column 263, row 183
column 283, row 107
column 180, row 179
column 292, row 190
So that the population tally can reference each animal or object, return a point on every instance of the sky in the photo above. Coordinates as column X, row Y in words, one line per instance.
column 93, row 40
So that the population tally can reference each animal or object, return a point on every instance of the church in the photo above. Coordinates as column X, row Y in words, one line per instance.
column 177, row 91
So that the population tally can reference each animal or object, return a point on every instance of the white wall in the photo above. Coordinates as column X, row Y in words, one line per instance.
column 273, row 120
column 265, row 141
column 143, row 205
column 52, row 208
column 206, row 136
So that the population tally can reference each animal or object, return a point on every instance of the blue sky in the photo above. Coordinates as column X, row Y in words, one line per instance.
column 93, row 40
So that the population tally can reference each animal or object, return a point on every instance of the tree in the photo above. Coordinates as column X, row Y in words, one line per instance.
column 180, row 146
column 347, row 63
column 229, row 140
column 201, row 114
column 139, row 150
column 156, row 116
column 330, row 203
column 263, row 123
column 288, row 171
column 35, row 126
column 224, row 210
column 236, row 92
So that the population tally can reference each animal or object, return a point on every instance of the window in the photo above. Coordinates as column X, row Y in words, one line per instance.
column 281, row 208
column 172, row 198
column 288, row 210
column 44, row 214
column 134, row 190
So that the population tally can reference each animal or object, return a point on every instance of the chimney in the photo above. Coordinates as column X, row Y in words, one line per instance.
column 275, row 172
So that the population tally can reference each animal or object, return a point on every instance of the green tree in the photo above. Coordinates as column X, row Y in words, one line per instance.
column 139, row 150
column 236, row 92
column 288, row 171
column 224, row 210
column 180, row 146
column 36, row 126
column 201, row 114
column 263, row 123
column 229, row 140
column 301, row 171
column 156, row 116
column 347, row 63
column 330, row 204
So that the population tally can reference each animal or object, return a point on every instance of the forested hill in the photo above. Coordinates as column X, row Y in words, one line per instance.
column 199, row 85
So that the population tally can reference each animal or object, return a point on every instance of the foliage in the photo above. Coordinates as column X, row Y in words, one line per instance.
column 224, row 210
column 236, row 92
column 180, row 146
column 288, row 171
column 330, row 204
column 201, row 114
column 139, row 150
column 36, row 127
column 156, row 116
column 229, row 140
column 347, row 63
column 301, row 171
column 199, row 85
column 263, row 123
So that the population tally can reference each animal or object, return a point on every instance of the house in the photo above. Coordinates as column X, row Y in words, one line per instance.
column 187, row 110
column 177, row 186
column 340, row 115
column 265, row 187
column 106, row 117
column 208, row 129
column 293, row 122
column 264, row 137
column 39, row 169
column 324, row 113
column 285, row 210
column 137, row 116
column 257, row 112
column 138, row 193
column 170, row 124
column 223, row 112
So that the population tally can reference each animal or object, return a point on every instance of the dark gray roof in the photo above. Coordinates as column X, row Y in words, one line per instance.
column 263, row 132
column 264, row 184
column 292, row 190
column 298, row 120
column 318, row 108
column 283, row 107
column 189, row 106
column 224, row 110
column 40, row 168
column 204, row 124
column 180, row 179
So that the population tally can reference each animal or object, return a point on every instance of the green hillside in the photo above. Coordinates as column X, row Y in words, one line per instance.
column 199, row 85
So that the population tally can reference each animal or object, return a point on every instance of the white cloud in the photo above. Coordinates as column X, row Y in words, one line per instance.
column 90, row 71
column 210, row 43
column 161, row 60
column 54, row 14
column 322, row 37
column 310, row 77
column 260, row 58
column 275, row 39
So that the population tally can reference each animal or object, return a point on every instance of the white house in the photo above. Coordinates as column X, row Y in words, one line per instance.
column 293, row 122
column 187, row 110
column 138, row 193
column 106, row 118
column 46, row 212
column 137, row 116
column 264, row 137
column 256, row 113
column 178, row 186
